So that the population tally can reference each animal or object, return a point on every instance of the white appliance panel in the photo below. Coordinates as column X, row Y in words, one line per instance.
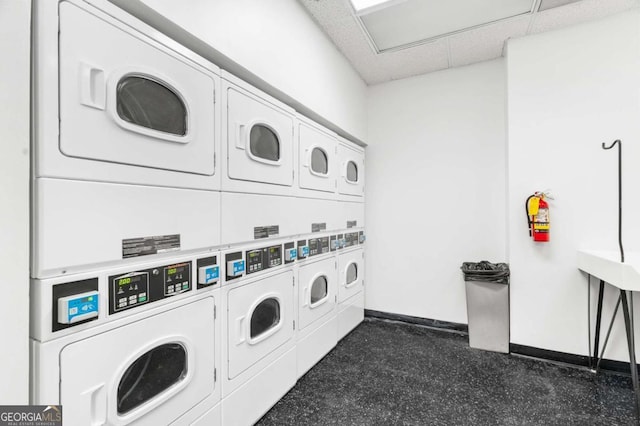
column 79, row 224
column 92, row 369
column 317, row 293
column 243, row 213
column 350, row 214
column 350, row 314
column 263, row 390
column 259, row 320
column 317, row 159
column 351, row 175
column 350, row 273
column 111, row 81
column 259, row 140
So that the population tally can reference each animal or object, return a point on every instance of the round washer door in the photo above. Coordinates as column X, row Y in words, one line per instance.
column 154, row 369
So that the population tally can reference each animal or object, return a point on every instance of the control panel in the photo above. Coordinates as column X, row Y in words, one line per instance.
column 351, row 239
column 303, row 249
column 263, row 258
column 137, row 288
column 318, row 246
column 208, row 272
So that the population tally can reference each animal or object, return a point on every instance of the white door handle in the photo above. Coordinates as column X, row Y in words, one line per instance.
column 240, row 334
column 92, row 87
column 240, row 136
column 98, row 404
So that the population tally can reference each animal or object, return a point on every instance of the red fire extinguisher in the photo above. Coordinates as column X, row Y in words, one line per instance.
column 538, row 216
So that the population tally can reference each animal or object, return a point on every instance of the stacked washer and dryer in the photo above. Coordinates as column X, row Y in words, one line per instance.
column 197, row 244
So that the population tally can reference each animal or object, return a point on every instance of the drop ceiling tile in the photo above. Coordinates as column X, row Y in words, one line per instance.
column 408, row 22
column 578, row 12
column 485, row 43
column 421, row 59
column 336, row 18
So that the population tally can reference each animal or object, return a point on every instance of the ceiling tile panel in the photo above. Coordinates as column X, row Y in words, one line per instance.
column 337, row 19
column 485, row 43
column 578, row 12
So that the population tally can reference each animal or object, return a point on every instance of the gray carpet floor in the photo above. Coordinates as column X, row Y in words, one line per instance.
column 390, row 373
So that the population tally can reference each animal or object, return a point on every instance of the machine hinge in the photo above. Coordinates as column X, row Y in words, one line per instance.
column 335, row 265
column 215, row 374
column 214, row 159
column 293, row 281
column 336, row 299
column 214, row 96
column 215, row 311
column 294, row 325
column 293, row 174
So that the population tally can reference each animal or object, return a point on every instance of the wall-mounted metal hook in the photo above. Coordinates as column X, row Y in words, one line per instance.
column 619, row 143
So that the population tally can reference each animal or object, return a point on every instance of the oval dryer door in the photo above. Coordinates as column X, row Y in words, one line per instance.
column 317, row 297
column 152, row 369
column 126, row 99
column 351, row 271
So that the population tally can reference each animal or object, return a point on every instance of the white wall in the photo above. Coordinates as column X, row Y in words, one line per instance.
column 279, row 43
column 435, row 189
column 569, row 91
column 14, row 193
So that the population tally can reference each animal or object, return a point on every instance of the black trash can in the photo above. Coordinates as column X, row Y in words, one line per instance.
column 487, row 289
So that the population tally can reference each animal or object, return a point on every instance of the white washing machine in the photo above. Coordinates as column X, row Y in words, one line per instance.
column 351, row 173
column 317, row 302
column 126, row 129
column 129, row 345
column 317, row 160
column 258, row 140
column 259, row 323
column 350, row 289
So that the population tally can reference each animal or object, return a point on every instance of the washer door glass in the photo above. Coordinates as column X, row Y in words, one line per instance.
column 352, row 172
column 265, row 317
column 151, row 374
column 149, row 103
column 264, row 143
column 319, row 161
column 319, row 289
column 352, row 273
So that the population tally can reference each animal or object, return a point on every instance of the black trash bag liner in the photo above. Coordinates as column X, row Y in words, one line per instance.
column 486, row 271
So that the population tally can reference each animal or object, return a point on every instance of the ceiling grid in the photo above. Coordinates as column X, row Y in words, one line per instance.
column 480, row 42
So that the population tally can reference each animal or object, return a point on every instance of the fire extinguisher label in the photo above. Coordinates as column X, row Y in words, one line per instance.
column 542, row 216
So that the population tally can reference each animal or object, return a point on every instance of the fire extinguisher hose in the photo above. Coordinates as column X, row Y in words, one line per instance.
column 526, row 211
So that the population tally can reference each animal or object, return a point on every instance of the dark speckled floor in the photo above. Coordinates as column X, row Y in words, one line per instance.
column 387, row 373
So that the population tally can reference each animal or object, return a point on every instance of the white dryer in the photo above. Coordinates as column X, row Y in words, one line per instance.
column 351, row 173
column 350, row 289
column 128, row 346
column 258, row 140
column 259, row 305
column 125, row 138
column 317, row 302
column 317, row 160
